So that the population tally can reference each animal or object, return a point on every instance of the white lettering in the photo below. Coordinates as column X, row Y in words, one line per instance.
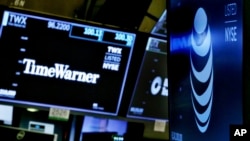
column 114, row 50
column 51, row 72
column 113, row 58
column 159, row 84
column 29, row 64
column 231, row 34
column 68, row 75
column 81, row 76
column 164, row 91
column 18, row 19
column 240, row 132
column 110, row 66
column 41, row 70
column 59, row 71
column 8, row 93
column 231, row 9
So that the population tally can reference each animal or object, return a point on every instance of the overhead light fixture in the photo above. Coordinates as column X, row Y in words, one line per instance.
column 32, row 109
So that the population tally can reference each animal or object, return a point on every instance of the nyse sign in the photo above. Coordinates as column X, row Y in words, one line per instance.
column 112, row 58
column 231, row 9
column 231, row 27
column 231, row 34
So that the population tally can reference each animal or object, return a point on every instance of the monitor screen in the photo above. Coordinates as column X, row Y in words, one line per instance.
column 6, row 114
column 20, row 134
column 103, row 126
column 150, row 94
column 99, row 124
column 205, row 69
column 160, row 28
column 53, row 61
column 43, row 127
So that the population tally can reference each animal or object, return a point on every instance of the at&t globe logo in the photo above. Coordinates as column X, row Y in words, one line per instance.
column 201, row 76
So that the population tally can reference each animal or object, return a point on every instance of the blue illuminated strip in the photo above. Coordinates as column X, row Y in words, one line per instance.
column 4, row 22
column 179, row 42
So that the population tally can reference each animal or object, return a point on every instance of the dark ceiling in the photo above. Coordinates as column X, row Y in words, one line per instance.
column 122, row 13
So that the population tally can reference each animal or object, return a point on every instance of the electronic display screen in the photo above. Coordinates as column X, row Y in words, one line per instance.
column 160, row 28
column 103, row 125
column 13, row 134
column 98, row 124
column 150, row 95
column 6, row 114
column 206, row 61
column 53, row 61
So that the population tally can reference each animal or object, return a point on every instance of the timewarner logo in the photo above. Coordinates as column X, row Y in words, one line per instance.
column 201, row 76
column 59, row 71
